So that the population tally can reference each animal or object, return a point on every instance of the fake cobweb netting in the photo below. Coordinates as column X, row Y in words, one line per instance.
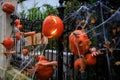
column 99, row 30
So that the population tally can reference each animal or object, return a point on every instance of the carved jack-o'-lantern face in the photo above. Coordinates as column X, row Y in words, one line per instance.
column 79, row 42
column 52, row 27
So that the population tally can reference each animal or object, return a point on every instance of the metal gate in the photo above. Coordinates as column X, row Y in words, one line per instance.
column 105, row 69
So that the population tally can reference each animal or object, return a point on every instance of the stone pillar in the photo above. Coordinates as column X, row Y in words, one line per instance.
column 5, row 31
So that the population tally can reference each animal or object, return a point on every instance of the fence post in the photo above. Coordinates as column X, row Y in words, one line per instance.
column 60, row 45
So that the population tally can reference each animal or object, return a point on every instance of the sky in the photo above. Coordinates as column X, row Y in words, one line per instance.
column 29, row 3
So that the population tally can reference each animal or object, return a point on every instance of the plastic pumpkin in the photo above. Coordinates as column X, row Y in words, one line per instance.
column 91, row 60
column 8, row 43
column 44, row 72
column 18, row 35
column 20, row 27
column 79, row 42
column 79, row 62
column 25, row 52
column 42, row 57
column 17, row 22
column 52, row 26
column 8, row 7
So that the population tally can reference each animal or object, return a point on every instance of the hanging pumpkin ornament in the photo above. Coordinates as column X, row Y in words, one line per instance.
column 17, row 22
column 79, row 42
column 19, row 26
column 52, row 26
column 80, row 64
column 44, row 72
column 8, row 7
column 18, row 35
column 91, row 60
column 25, row 52
column 8, row 43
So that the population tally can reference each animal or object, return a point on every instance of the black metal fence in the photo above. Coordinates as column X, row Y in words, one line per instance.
column 105, row 69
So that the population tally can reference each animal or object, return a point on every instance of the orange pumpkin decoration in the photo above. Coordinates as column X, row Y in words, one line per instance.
column 8, row 7
column 8, row 43
column 79, row 42
column 44, row 72
column 25, row 52
column 20, row 27
column 17, row 22
column 42, row 57
column 91, row 60
column 79, row 62
column 18, row 35
column 52, row 26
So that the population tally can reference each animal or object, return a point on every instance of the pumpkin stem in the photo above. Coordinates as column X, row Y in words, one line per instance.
column 76, row 35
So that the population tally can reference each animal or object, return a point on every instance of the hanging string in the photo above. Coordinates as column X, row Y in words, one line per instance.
column 80, row 55
column 27, row 65
column 22, row 69
column 34, row 72
column 86, row 32
column 105, row 39
column 74, row 15
column 107, row 20
column 110, row 18
column 77, row 46
column 118, row 42
column 31, row 59
column 104, row 32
